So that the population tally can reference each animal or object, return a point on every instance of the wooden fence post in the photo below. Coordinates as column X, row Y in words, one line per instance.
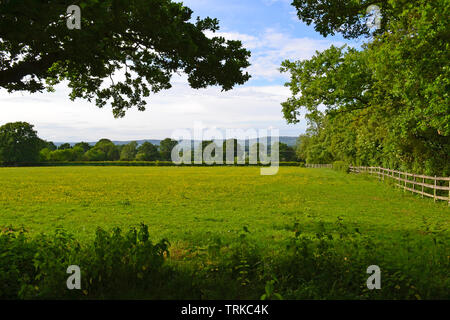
column 406, row 178
column 434, row 189
column 423, row 182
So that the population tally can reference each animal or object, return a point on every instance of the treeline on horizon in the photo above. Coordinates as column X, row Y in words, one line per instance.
column 19, row 143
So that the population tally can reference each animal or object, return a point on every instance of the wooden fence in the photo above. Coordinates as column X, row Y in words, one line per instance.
column 439, row 187
column 318, row 165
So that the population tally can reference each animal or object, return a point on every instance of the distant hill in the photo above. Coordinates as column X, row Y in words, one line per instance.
column 290, row 141
column 119, row 143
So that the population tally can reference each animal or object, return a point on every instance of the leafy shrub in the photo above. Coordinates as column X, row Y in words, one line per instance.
column 341, row 166
column 328, row 263
column 113, row 263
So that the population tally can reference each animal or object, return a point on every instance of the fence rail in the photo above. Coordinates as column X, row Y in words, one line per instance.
column 409, row 181
column 318, row 165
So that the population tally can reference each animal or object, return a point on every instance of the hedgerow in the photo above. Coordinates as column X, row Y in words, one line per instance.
column 135, row 163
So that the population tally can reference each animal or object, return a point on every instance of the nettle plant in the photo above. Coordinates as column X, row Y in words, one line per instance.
column 114, row 262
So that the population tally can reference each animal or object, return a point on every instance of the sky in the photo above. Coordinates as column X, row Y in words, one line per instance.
column 270, row 29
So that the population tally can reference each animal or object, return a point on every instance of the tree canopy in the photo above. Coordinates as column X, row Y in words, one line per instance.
column 19, row 143
column 387, row 103
column 147, row 152
column 124, row 51
column 109, row 149
column 129, row 151
column 348, row 17
column 166, row 147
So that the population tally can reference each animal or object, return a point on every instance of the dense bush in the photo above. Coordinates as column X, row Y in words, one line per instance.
column 114, row 261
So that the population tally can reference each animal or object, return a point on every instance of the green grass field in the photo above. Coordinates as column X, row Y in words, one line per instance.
column 195, row 207
column 188, row 204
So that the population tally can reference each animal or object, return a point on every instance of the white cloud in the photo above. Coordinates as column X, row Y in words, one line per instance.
column 56, row 118
column 271, row 47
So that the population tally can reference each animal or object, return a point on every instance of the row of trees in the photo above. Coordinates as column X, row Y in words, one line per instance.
column 19, row 142
column 387, row 104
column 256, row 151
column 106, row 150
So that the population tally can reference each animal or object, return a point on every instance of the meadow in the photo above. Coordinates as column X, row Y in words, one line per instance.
column 303, row 233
